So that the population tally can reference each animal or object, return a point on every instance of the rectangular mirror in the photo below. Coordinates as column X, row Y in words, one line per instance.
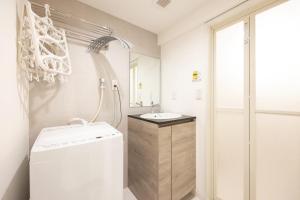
column 144, row 80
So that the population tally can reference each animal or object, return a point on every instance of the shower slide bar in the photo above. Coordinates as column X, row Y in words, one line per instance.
column 76, row 28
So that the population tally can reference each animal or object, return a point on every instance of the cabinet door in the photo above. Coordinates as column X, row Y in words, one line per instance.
column 183, row 160
column 143, row 159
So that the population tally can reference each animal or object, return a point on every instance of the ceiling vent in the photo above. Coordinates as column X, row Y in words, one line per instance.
column 163, row 3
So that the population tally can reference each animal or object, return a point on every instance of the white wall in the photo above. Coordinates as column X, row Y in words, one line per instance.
column 13, row 112
column 179, row 58
column 145, row 42
column 55, row 105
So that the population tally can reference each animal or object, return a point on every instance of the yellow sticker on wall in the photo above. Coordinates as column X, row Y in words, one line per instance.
column 195, row 75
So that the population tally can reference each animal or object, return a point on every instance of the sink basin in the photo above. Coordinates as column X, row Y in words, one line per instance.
column 160, row 116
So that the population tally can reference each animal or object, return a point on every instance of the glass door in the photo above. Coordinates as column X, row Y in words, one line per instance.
column 231, row 113
column 276, row 123
column 256, row 116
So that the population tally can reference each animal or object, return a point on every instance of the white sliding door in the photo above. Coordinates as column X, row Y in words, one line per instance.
column 277, row 114
column 230, row 114
column 256, row 132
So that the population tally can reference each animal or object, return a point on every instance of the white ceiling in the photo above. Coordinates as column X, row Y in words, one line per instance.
column 147, row 14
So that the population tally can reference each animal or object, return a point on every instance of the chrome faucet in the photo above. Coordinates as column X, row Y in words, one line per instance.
column 153, row 106
column 139, row 103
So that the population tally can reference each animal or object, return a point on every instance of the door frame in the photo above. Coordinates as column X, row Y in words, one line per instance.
column 246, row 21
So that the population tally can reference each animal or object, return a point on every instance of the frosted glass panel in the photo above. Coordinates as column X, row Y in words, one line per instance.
column 278, row 157
column 230, row 67
column 229, row 155
column 278, row 58
column 278, row 89
column 229, row 132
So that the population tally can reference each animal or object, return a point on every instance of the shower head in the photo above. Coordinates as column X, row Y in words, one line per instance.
column 102, row 43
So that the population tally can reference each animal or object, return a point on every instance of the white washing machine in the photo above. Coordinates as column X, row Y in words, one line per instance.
column 78, row 162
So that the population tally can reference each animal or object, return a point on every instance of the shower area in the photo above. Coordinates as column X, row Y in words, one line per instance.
column 256, row 112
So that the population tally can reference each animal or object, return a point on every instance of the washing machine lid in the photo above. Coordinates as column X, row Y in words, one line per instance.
column 63, row 136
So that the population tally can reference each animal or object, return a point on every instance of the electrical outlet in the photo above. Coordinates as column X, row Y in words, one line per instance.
column 114, row 84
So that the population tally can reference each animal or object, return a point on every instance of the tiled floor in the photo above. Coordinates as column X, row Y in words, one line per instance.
column 129, row 196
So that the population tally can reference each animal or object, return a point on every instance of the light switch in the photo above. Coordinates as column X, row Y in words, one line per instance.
column 198, row 94
column 174, row 95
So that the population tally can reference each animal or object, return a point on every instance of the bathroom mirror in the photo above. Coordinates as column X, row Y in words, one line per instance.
column 144, row 80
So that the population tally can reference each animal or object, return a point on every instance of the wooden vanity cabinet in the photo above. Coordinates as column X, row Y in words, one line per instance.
column 161, row 160
column 183, row 160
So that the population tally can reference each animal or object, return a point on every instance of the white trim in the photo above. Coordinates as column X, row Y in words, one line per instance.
column 213, row 178
column 252, row 121
column 244, row 110
column 277, row 112
column 209, row 147
column 247, row 108
column 230, row 110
